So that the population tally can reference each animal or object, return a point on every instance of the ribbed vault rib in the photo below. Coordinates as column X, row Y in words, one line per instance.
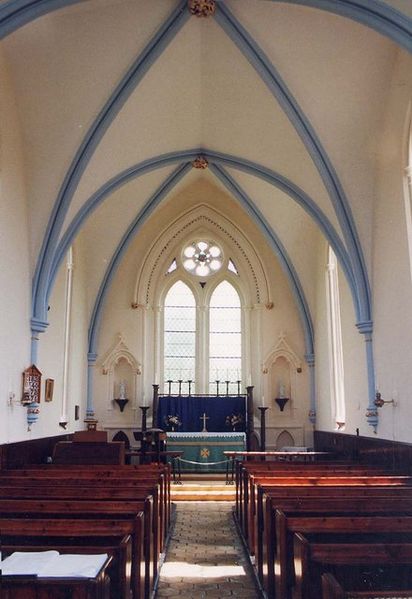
column 216, row 158
column 165, row 188
column 269, row 75
column 381, row 17
column 279, row 250
column 89, row 144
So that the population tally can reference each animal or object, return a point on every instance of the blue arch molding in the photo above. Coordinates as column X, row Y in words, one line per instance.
column 88, row 146
column 281, row 93
column 216, row 158
column 279, row 250
column 22, row 11
column 372, row 13
column 152, row 203
column 148, row 209
column 166, row 187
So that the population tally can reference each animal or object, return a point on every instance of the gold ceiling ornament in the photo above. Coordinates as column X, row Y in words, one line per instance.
column 202, row 8
column 200, row 162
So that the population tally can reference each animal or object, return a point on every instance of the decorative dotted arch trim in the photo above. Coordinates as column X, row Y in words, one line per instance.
column 174, row 237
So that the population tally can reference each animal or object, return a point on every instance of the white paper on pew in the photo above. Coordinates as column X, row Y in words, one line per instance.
column 73, row 566
column 26, row 562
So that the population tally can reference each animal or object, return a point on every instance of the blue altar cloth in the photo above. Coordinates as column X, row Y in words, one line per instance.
column 204, row 448
column 189, row 411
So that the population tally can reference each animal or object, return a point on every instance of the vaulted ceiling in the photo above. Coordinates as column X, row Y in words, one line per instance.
column 284, row 101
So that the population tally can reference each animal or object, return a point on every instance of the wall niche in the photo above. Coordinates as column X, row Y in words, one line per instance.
column 122, row 371
column 279, row 370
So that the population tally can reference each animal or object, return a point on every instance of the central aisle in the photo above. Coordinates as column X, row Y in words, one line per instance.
column 205, row 557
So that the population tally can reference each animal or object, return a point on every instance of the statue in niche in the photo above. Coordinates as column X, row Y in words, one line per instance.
column 282, row 391
column 122, row 390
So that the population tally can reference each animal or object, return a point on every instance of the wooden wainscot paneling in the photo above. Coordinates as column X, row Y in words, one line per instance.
column 368, row 450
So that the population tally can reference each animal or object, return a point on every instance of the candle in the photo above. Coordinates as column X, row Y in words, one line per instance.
column 249, row 380
column 263, row 400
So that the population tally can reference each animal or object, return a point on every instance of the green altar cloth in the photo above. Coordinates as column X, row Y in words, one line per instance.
column 204, row 449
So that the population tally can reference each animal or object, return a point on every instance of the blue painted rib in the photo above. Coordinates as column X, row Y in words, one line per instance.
column 269, row 75
column 279, row 250
column 246, row 166
column 373, row 13
column 89, row 144
column 166, row 187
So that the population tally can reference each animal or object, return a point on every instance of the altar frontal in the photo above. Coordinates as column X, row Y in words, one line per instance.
column 203, row 451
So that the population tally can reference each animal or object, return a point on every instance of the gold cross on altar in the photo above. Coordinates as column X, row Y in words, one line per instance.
column 204, row 418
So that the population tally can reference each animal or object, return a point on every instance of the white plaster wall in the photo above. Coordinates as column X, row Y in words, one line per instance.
column 77, row 379
column 391, row 283
column 50, row 361
column 354, row 358
column 51, row 354
column 14, row 267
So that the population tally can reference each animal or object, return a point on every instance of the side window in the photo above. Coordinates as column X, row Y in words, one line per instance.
column 335, row 342
column 408, row 186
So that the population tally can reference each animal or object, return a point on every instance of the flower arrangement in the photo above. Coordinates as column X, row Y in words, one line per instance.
column 172, row 421
column 233, row 420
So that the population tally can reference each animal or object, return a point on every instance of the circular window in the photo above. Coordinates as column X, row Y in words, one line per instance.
column 202, row 258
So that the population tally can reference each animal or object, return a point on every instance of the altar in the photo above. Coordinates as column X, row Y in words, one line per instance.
column 203, row 452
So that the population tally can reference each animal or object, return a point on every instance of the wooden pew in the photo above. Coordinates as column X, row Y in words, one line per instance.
column 314, row 476
column 143, row 471
column 318, row 505
column 320, row 500
column 252, row 507
column 245, row 469
column 15, row 529
column 269, row 494
column 135, row 487
column 42, row 486
column 311, row 557
column 66, row 500
column 158, row 473
column 333, row 589
column 46, row 508
column 326, row 523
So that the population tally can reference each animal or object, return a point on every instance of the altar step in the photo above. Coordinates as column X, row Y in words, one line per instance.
column 202, row 491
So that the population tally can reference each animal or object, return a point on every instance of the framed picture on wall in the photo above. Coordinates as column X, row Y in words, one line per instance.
column 48, row 393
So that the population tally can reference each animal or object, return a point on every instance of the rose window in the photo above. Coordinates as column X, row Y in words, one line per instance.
column 202, row 258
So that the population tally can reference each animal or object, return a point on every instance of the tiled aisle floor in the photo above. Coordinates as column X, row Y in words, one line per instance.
column 205, row 557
